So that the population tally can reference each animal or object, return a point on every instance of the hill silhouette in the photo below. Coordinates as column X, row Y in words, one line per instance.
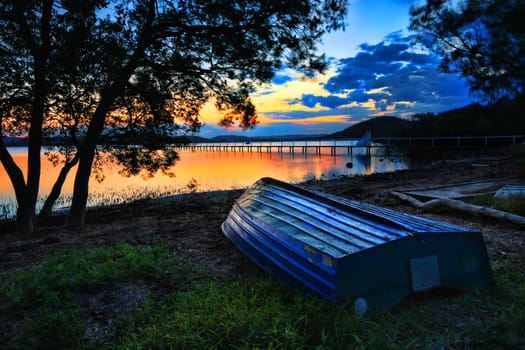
column 501, row 118
column 379, row 127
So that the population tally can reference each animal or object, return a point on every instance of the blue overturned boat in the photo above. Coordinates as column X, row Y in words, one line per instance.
column 348, row 250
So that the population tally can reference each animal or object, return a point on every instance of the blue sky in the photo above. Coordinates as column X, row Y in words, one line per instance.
column 375, row 70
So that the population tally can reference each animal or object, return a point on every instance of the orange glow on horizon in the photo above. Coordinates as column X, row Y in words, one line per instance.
column 273, row 102
column 340, row 119
column 274, row 99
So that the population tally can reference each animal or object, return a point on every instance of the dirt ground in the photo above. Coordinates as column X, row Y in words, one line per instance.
column 192, row 222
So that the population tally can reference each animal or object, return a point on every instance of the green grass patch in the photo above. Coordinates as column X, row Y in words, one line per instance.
column 255, row 313
column 49, row 294
column 513, row 204
column 53, row 328
column 262, row 313
column 66, row 274
column 200, row 311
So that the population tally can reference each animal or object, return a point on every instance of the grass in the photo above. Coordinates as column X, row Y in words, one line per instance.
column 513, row 204
column 189, row 308
column 50, row 293
column 66, row 274
column 7, row 210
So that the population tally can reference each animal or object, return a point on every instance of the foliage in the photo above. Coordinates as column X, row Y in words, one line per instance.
column 134, row 160
column 252, row 311
column 482, row 40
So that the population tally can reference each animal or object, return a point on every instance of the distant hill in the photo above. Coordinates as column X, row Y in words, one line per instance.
column 501, row 118
column 222, row 138
column 379, row 127
column 15, row 141
column 240, row 138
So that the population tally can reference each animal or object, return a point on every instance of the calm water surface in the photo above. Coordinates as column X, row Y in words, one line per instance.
column 205, row 171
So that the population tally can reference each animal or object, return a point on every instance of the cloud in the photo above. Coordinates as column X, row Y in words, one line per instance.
column 393, row 77
column 311, row 101
column 388, row 73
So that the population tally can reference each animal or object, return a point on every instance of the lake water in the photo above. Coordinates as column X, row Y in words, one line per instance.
column 205, row 171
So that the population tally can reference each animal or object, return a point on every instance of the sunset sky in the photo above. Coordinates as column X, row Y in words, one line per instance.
column 374, row 71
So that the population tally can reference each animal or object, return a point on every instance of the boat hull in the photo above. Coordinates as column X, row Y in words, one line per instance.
column 347, row 250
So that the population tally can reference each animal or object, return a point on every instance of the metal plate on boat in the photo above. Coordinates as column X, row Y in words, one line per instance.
column 425, row 273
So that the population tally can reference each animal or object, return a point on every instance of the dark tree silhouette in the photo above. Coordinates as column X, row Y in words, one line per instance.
column 25, row 44
column 143, row 68
column 48, row 89
column 201, row 50
column 484, row 41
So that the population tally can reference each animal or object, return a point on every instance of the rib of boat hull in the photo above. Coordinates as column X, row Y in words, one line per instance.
column 344, row 249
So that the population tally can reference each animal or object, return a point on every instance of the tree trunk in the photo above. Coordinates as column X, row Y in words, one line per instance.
column 76, row 217
column 40, row 49
column 27, row 207
column 57, row 187
column 461, row 206
column 87, row 153
column 25, row 217
column 24, row 214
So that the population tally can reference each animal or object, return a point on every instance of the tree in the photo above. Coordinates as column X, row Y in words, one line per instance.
column 483, row 41
column 138, row 66
column 201, row 50
column 48, row 79
column 23, row 63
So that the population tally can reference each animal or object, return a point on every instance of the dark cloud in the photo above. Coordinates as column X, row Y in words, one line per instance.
column 390, row 72
column 310, row 100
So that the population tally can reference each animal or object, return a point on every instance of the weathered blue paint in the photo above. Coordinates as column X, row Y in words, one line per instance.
column 344, row 249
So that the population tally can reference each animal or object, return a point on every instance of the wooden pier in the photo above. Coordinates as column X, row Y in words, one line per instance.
column 349, row 147
column 290, row 147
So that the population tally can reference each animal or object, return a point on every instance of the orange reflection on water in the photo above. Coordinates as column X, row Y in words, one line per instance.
column 48, row 176
column 219, row 170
